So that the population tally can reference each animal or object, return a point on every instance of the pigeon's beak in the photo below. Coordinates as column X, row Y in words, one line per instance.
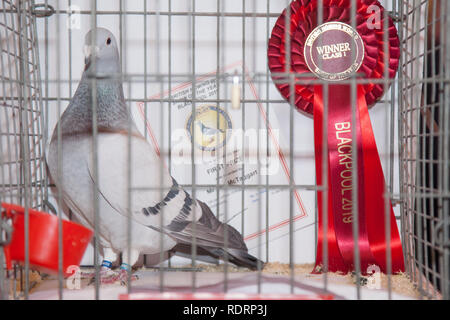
column 88, row 52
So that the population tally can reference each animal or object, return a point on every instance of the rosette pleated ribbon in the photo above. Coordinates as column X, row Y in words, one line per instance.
column 373, row 242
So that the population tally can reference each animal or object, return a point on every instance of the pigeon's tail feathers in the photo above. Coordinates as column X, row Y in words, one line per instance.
column 243, row 258
column 231, row 237
column 218, row 239
column 240, row 258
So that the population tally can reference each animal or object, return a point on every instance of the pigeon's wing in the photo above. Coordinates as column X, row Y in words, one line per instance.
column 156, row 197
column 125, row 162
column 208, row 231
column 153, row 192
column 218, row 239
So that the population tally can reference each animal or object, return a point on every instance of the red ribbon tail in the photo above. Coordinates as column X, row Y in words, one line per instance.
column 376, row 203
column 335, row 261
column 339, row 237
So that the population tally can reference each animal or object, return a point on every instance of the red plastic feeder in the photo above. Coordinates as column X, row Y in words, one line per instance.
column 43, row 240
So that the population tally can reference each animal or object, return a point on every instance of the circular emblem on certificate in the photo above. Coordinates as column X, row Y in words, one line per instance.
column 334, row 51
column 208, row 129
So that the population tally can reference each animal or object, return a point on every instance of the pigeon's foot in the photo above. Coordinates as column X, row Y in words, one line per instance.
column 123, row 277
column 108, row 276
column 105, row 269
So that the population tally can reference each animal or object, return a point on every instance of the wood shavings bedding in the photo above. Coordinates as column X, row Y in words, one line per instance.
column 400, row 283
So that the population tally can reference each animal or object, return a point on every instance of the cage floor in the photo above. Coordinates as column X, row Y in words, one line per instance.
column 275, row 279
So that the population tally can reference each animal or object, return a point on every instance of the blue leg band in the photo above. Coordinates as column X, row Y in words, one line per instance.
column 107, row 264
column 125, row 266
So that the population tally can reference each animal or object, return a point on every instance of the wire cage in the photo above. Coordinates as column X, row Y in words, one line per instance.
column 22, row 121
column 424, row 145
column 200, row 59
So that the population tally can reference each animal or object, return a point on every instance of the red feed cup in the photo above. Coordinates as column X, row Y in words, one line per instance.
column 43, row 240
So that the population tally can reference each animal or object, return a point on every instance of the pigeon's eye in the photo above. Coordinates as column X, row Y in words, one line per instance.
column 108, row 41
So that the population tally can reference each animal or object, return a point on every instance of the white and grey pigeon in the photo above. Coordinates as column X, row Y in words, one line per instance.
column 75, row 178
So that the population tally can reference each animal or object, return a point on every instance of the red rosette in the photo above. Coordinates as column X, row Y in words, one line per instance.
column 309, row 99
column 304, row 19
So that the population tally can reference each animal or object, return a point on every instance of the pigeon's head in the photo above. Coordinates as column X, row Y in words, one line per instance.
column 101, row 45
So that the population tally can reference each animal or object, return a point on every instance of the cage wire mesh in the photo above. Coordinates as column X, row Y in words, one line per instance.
column 186, row 56
column 424, row 144
column 21, row 120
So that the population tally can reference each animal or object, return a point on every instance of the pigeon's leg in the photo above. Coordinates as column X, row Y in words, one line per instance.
column 109, row 256
column 107, row 275
column 125, row 267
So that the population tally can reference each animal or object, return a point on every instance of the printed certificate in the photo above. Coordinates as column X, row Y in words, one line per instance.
column 234, row 160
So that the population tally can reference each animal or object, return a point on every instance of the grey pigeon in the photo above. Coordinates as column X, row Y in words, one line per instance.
column 166, row 214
